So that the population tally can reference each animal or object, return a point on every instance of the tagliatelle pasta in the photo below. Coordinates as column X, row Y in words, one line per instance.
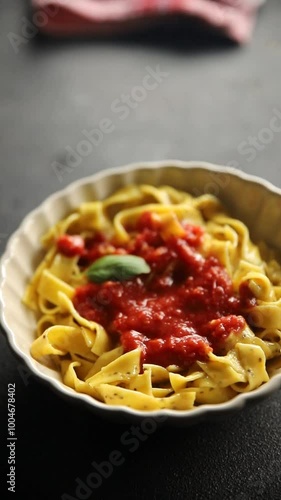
column 193, row 318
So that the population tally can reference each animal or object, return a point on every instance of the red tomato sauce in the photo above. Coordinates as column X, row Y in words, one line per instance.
column 180, row 312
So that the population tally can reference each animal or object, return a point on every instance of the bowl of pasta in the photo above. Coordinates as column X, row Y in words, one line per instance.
column 150, row 290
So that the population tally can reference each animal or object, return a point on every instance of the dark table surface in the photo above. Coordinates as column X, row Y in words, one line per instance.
column 212, row 101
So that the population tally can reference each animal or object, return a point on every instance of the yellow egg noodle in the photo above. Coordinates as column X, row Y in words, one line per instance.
column 83, row 351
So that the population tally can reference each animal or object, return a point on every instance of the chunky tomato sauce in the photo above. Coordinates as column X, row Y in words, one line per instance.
column 183, row 310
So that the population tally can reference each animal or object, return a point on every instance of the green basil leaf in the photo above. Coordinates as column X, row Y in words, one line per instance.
column 117, row 268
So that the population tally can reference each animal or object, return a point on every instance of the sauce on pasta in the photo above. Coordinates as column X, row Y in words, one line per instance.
column 181, row 312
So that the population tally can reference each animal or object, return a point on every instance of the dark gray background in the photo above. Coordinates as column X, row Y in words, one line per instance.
column 215, row 97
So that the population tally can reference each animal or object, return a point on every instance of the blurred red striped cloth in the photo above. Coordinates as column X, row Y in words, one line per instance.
column 233, row 18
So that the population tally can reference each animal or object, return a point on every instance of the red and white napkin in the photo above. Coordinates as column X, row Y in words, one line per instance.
column 233, row 18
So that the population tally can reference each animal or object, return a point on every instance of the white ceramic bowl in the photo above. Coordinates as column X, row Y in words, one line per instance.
column 251, row 199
